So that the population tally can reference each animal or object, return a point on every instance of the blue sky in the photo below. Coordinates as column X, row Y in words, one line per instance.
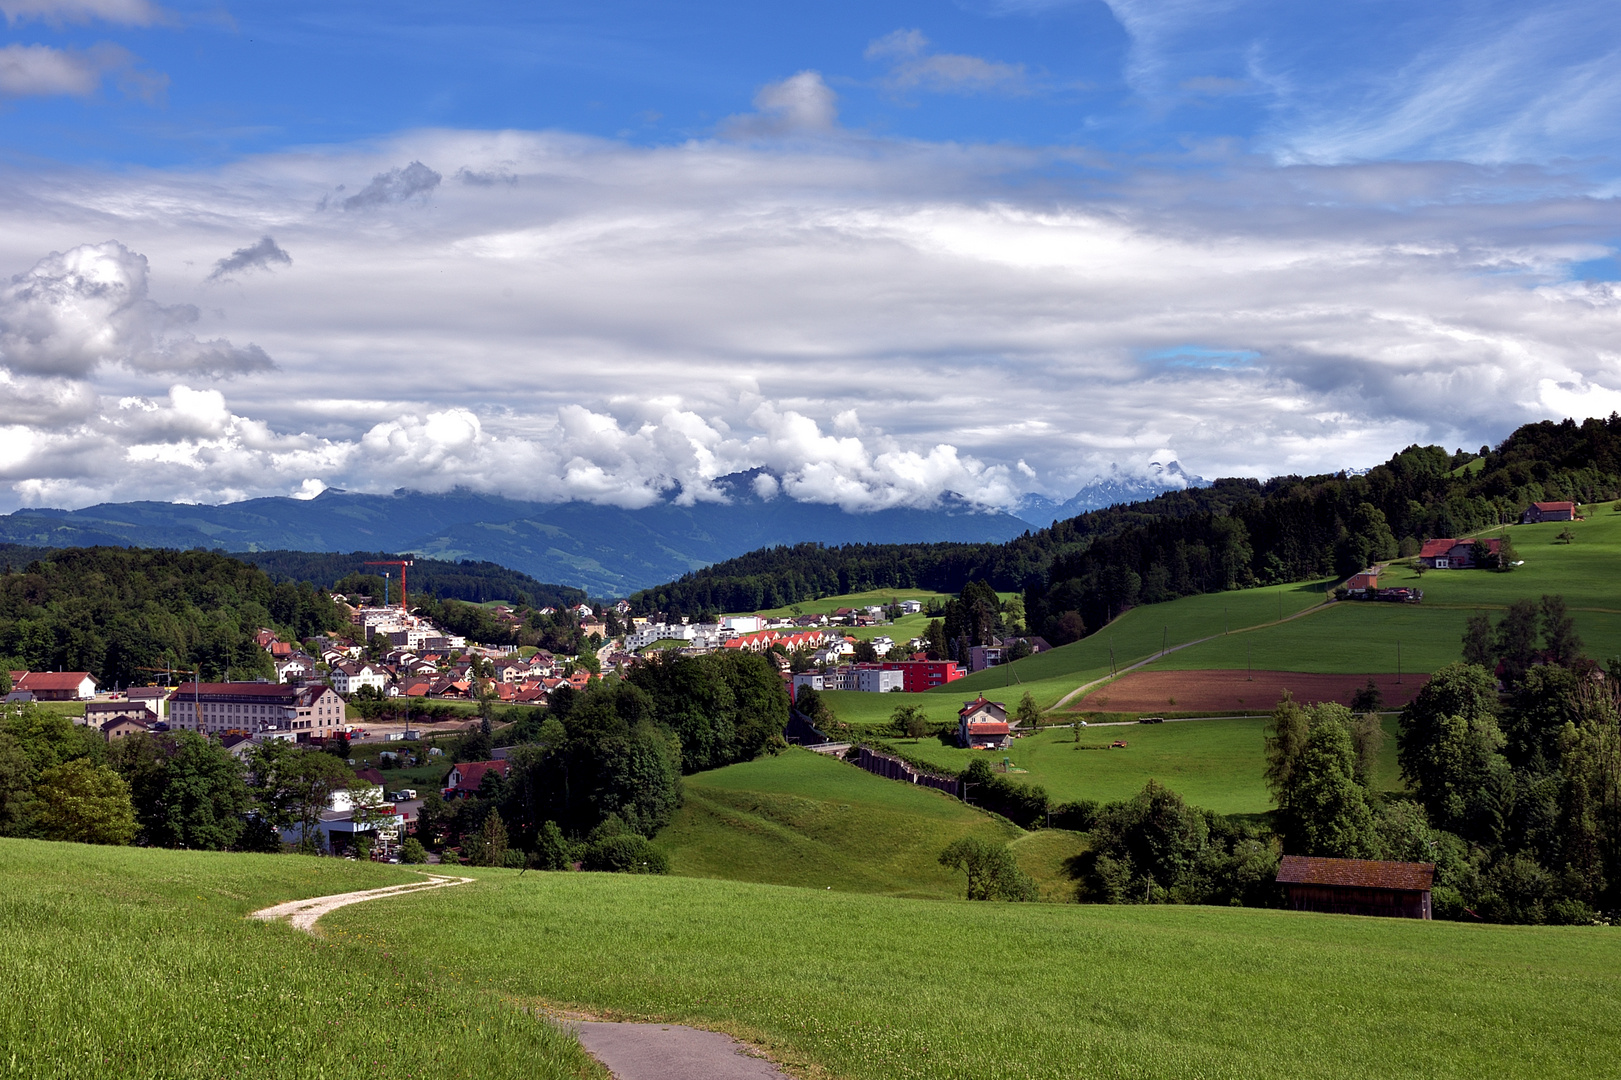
column 888, row 249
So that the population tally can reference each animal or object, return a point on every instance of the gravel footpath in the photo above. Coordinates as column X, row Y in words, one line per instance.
column 629, row 1051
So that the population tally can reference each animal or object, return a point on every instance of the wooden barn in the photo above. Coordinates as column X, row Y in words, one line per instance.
column 1399, row 890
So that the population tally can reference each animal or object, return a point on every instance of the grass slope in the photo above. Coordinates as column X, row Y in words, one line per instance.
column 804, row 819
column 1216, row 764
column 1343, row 638
column 877, row 987
column 138, row 963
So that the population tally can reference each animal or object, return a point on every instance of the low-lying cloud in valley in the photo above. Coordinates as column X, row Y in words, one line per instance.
column 876, row 322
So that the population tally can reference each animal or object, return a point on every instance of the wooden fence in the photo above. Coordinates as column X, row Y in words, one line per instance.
column 893, row 768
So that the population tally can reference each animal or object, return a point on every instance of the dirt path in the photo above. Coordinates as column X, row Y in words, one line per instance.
column 628, row 1051
column 1084, row 687
column 301, row 914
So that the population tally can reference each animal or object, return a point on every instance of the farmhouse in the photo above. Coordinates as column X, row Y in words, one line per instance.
column 465, row 778
column 55, row 685
column 1548, row 511
column 1368, row 579
column 1448, row 554
column 983, row 725
column 1358, row 886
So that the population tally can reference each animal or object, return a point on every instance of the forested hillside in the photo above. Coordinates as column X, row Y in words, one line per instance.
column 117, row 613
column 1233, row 534
column 470, row 580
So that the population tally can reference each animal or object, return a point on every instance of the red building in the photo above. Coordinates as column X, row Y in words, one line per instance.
column 923, row 674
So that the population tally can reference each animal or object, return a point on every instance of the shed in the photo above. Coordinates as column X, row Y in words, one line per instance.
column 1357, row 886
column 1548, row 511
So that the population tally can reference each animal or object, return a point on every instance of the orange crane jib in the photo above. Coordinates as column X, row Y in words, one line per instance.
column 402, row 564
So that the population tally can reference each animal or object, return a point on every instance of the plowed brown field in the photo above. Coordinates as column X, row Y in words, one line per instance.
column 1225, row 691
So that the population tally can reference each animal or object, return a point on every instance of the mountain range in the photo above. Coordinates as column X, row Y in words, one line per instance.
column 606, row 550
column 1106, row 491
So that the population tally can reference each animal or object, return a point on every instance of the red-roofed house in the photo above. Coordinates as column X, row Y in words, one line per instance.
column 1447, row 554
column 55, row 685
column 465, row 778
column 1358, row 886
column 983, row 725
column 1548, row 511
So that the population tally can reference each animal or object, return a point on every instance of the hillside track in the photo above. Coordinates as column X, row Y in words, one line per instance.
column 302, row 914
column 1095, row 683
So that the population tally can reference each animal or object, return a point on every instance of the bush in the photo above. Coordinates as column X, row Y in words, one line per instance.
column 1079, row 816
column 992, row 872
column 412, row 851
column 514, row 860
column 552, row 850
column 625, row 854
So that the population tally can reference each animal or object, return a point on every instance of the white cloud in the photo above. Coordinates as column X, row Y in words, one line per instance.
column 80, row 309
column 801, row 104
column 41, row 71
column 913, row 67
column 59, row 12
column 875, row 323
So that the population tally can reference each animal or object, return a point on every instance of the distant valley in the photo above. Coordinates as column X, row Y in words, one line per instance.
column 606, row 550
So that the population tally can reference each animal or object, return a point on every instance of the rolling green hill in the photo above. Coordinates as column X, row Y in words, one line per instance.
column 1245, row 630
column 805, row 819
column 873, row 988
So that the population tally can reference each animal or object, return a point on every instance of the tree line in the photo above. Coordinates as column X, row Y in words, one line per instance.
column 127, row 614
column 1078, row 574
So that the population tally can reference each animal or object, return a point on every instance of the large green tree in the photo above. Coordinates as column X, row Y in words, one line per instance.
column 84, row 802
column 188, row 791
column 1448, row 747
column 1324, row 809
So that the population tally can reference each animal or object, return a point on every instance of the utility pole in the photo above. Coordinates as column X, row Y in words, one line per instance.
column 1164, row 640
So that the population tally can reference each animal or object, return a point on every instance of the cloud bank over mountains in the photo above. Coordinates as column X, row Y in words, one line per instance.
column 876, row 321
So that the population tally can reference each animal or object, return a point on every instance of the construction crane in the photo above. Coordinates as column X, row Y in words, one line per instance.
column 196, row 688
column 402, row 564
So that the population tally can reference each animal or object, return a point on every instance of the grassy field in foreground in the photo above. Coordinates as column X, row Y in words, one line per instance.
column 804, row 819
column 866, row 987
column 138, row 963
column 1216, row 764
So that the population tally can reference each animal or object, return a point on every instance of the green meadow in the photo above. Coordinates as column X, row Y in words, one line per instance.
column 1134, row 636
column 1249, row 628
column 804, row 819
column 130, row 962
column 872, row 988
column 1217, row 764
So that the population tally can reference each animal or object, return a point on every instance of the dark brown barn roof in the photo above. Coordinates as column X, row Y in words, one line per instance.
column 1356, row 873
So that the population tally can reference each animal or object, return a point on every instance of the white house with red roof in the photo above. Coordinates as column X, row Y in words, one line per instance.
column 983, row 725
column 55, row 685
column 1447, row 554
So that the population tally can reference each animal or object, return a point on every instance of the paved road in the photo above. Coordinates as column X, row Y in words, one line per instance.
column 670, row 1052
